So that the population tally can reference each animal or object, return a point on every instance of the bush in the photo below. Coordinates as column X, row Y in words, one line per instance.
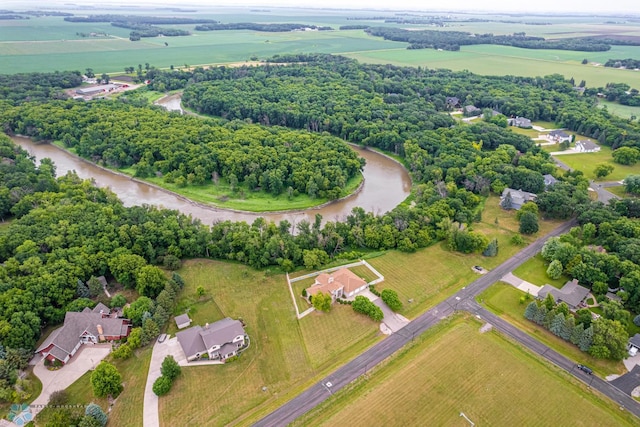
column 58, row 398
column 118, row 300
column 517, row 240
column 363, row 305
column 162, row 386
column 304, row 293
column 372, row 289
column 171, row 262
column 122, row 352
column 390, row 297
column 170, row 368
column 97, row 413
column 231, row 359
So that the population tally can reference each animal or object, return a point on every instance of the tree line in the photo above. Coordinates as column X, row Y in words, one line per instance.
column 146, row 30
column 253, row 26
column 31, row 87
column 139, row 19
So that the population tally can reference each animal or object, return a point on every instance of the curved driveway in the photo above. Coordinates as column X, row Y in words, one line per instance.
column 462, row 300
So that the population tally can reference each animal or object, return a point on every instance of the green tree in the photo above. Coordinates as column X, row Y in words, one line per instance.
column 150, row 281
column 150, row 331
column 136, row 310
column 531, row 311
column 527, row 207
column 492, row 248
column 586, row 339
column 96, row 412
column 200, row 291
column 555, row 269
column 89, row 73
column 170, row 368
column 632, row 184
column 95, row 287
column 135, row 338
column 161, row 386
column 322, row 301
column 106, row 380
column 89, row 421
column 118, row 300
column 626, row 155
column 557, row 324
column 602, row 170
column 549, row 302
column 124, row 268
column 105, row 78
column 314, row 258
column 529, row 223
column 390, row 297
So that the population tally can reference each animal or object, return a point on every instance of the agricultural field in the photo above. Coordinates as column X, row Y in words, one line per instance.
column 504, row 300
column 587, row 162
column 455, row 368
column 624, row 111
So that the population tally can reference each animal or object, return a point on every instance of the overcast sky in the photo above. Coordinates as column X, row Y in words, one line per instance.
column 538, row 6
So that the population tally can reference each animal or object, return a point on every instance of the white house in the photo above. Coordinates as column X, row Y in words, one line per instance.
column 586, row 146
column 557, row 136
column 218, row 341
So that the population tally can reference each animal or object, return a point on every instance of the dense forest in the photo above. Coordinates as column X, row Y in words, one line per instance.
column 623, row 63
column 30, row 87
column 452, row 40
column 274, row 28
column 620, row 92
column 190, row 151
column 145, row 30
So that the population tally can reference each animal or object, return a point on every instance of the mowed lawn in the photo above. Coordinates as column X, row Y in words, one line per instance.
column 504, row 300
column 285, row 354
column 534, row 270
column 455, row 369
column 587, row 162
column 430, row 275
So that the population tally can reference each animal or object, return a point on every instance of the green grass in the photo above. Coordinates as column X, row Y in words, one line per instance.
column 285, row 356
column 587, row 162
column 620, row 191
column 535, row 271
column 624, row 111
column 32, row 386
column 454, row 368
column 244, row 199
column 503, row 300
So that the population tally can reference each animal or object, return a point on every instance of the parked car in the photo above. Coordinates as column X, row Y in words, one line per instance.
column 162, row 337
column 585, row 369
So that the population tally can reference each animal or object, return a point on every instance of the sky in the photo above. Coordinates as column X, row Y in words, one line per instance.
column 537, row 6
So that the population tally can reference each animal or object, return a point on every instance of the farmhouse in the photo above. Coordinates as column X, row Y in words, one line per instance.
column 340, row 284
column 520, row 122
column 88, row 326
column 218, row 341
column 183, row 321
column 471, row 110
column 558, row 136
column 586, row 146
column 452, row 102
column 571, row 293
column 514, row 199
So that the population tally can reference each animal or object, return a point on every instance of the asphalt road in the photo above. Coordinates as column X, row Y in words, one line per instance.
column 462, row 300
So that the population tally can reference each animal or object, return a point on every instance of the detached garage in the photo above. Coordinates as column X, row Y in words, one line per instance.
column 183, row 321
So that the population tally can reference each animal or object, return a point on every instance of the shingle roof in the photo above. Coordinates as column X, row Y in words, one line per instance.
column 227, row 349
column 586, row 145
column 571, row 293
column 182, row 318
column 549, row 179
column 191, row 341
column 635, row 340
column 101, row 308
column 198, row 339
column 343, row 278
column 560, row 133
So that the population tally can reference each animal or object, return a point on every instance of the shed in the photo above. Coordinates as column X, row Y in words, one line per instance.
column 183, row 321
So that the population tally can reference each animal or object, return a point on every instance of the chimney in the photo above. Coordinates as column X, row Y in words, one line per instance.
column 206, row 326
column 330, row 279
column 100, row 333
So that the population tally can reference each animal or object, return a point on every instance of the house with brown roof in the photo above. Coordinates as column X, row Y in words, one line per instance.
column 342, row 283
column 87, row 326
column 218, row 341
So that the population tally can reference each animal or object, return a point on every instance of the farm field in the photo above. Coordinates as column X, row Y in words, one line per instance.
column 455, row 368
column 285, row 355
column 504, row 300
column 624, row 111
column 587, row 162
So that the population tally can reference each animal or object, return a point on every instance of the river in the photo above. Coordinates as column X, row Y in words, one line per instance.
column 386, row 184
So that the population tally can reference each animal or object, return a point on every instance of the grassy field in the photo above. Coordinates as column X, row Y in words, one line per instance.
column 285, row 354
column 455, row 369
column 587, row 162
column 624, row 111
column 620, row 191
column 535, row 271
column 503, row 300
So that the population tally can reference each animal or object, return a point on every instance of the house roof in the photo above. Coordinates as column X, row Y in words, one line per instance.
column 518, row 197
column 228, row 348
column 635, row 340
column 343, row 278
column 182, row 318
column 198, row 339
column 101, row 309
column 471, row 108
column 549, row 179
column 75, row 324
column 613, row 297
column 191, row 341
column 559, row 133
column 587, row 145
column 452, row 100
column 571, row 293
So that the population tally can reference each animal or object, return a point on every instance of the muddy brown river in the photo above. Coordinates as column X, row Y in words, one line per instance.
column 386, row 184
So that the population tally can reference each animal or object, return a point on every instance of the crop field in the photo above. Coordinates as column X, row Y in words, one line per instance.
column 457, row 369
column 504, row 300
column 587, row 162
column 284, row 355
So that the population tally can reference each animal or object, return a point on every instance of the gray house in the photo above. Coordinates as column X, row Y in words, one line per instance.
column 183, row 321
column 219, row 340
column 452, row 102
column 514, row 199
column 549, row 180
column 520, row 122
column 634, row 345
column 558, row 136
column 471, row 110
column 586, row 146
column 571, row 293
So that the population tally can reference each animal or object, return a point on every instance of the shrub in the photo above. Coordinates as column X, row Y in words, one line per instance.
column 517, row 240
column 170, row 368
column 97, row 413
column 58, row 398
column 372, row 289
column 122, row 352
column 118, row 300
column 363, row 305
column 162, row 386
column 304, row 293
column 390, row 297
column 231, row 359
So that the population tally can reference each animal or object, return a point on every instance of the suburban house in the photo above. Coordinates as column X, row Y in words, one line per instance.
column 87, row 326
column 518, row 198
column 493, row 113
column 558, row 136
column 452, row 102
column 216, row 341
column 586, row 146
column 342, row 283
column 520, row 122
column 634, row 345
column 471, row 110
column 549, row 180
column 571, row 293
column 183, row 321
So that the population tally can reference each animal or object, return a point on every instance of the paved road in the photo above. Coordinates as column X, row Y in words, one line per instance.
column 599, row 187
column 322, row 390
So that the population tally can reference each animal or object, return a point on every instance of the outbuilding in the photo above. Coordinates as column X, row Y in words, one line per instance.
column 183, row 321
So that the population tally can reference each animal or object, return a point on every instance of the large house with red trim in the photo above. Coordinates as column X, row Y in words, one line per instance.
column 87, row 326
column 339, row 284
